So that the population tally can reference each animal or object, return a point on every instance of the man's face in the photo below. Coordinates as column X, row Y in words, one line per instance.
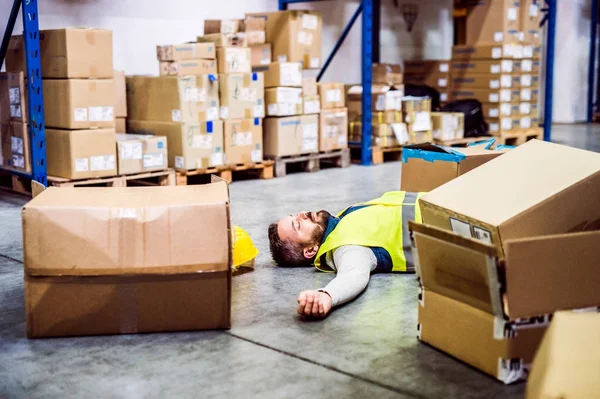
column 305, row 228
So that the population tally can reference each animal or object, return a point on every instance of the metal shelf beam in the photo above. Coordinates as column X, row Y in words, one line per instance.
column 592, row 61
column 549, row 78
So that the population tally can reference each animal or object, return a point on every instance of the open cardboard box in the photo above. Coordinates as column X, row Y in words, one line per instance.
column 127, row 260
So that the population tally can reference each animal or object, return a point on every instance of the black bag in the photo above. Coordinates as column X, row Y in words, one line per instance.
column 414, row 90
column 475, row 124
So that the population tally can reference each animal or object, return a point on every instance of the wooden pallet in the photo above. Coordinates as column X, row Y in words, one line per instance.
column 160, row 178
column 262, row 170
column 379, row 154
column 519, row 137
column 312, row 162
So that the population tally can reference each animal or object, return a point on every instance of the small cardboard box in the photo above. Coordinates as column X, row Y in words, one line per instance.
column 484, row 95
column 295, row 36
column 260, row 54
column 237, row 39
column 187, row 67
column 494, row 21
column 79, row 103
column 512, row 196
column 120, row 95
column 309, row 87
column 186, row 51
column 173, row 98
column 470, row 81
column 333, row 129
column 243, row 140
column 121, row 125
column 478, row 52
column 15, row 148
column 417, row 112
column 292, row 135
column 282, row 74
column 427, row 67
column 566, row 363
column 222, row 26
column 428, row 166
column 191, row 145
column 384, row 98
column 138, row 153
column 123, row 260
column 13, row 97
column 448, row 125
column 242, row 95
column 312, row 104
column 71, row 53
column 460, row 68
column 81, row 154
column 387, row 74
column 233, row 60
column 284, row 101
column 332, row 95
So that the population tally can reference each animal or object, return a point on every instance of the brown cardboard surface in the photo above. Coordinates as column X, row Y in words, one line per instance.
column 530, row 17
column 295, row 36
column 441, row 81
column 383, row 135
column 495, row 21
column 172, row 98
column 448, row 125
column 512, row 196
column 566, row 364
column 254, row 24
column 469, row 81
column 483, row 95
column 187, row 67
column 526, row 66
column 292, row 135
column 243, row 141
column 191, row 145
column 186, row 51
column 311, row 104
column 282, row 74
column 426, row 67
column 242, row 95
column 526, row 79
column 15, row 149
column 233, row 60
column 13, row 97
column 260, row 54
column 475, row 66
column 332, row 95
column 140, row 153
column 78, row 282
column 79, row 103
column 121, row 125
column 503, row 124
column 81, row 154
column 238, row 39
column 222, row 26
column 468, row 334
column 529, row 94
column 284, row 101
column 477, row 52
column 333, row 129
column 67, row 53
column 384, row 98
column 120, row 95
column 387, row 74
column 309, row 86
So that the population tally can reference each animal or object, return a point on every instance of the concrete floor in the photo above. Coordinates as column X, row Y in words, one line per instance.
column 365, row 349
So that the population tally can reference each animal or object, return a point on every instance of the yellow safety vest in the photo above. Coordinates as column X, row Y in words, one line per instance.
column 380, row 225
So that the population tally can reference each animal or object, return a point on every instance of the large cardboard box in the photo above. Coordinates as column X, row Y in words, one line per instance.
column 282, row 74
column 191, row 145
column 333, row 129
column 187, row 67
column 493, row 21
column 512, row 196
column 15, row 149
column 260, row 54
column 566, row 363
column 81, row 154
column 67, row 53
column 242, row 95
column 295, row 36
column 448, row 125
column 233, row 60
column 186, row 51
column 387, row 74
column 503, row 124
column 484, row 95
column 120, row 95
column 243, row 140
column 428, row 166
column 172, row 98
column 79, row 103
column 13, row 97
column 284, row 101
column 474, row 66
column 137, row 153
column 292, row 135
column 125, row 260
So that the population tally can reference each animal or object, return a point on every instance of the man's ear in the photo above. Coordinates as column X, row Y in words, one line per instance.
column 311, row 252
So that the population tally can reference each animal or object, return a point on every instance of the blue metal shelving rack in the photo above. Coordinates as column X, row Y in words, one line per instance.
column 35, row 106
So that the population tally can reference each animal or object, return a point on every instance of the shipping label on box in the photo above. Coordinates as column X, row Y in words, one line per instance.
column 312, row 104
column 237, row 39
column 141, row 153
column 187, row 67
column 260, row 55
column 503, row 124
column 333, row 129
column 233, row 60
column 242, row 96
column 186, row 51
column 243, row 141
column 13, row 97
column 527, row 66
column 384, row 98
column 14, row 146
column 282, row 74
column 498, row 110
column 283, row 101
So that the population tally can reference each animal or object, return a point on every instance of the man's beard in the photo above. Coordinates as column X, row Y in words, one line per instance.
column 320, row 219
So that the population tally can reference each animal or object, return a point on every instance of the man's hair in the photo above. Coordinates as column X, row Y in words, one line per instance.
column 284, row 252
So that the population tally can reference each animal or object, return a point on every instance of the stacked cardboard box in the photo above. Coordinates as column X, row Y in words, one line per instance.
column 417, row 115
column 15, row 151
column 333, row 121
column 432, row 73
column 120, row 102
column 79, row 100
column 492, row 263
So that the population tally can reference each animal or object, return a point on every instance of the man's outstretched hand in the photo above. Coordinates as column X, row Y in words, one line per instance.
column 314, row 303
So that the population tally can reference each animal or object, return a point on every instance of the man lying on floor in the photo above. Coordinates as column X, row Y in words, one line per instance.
column 366, row 238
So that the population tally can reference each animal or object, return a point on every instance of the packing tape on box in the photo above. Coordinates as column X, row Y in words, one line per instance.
column 431, row 156
column 486, row 143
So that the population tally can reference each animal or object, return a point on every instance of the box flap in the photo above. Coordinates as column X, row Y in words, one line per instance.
column 550, row 273
column 521, row 178
column 458, row 267
column 431, row 152
column 127, row 230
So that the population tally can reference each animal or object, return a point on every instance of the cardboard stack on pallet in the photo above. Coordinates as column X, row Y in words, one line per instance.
column 432, row 73
column 499, row 64
column 15, row 152
column 79, row 100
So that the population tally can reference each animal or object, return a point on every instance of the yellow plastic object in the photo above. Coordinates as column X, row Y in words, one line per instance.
column 244, row 250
